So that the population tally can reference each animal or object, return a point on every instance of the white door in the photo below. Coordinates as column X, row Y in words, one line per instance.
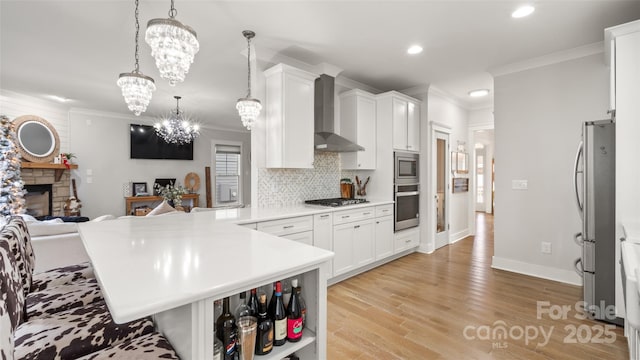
column 441, row 201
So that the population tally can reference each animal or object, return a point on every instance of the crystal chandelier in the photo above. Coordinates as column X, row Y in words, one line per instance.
column 248, row 108
column 173, row 45
column 175, row 129
column 137, row 88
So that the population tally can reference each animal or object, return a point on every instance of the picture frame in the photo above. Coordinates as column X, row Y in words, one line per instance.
column 460, row 185
column 139, row 189
column 462, row 166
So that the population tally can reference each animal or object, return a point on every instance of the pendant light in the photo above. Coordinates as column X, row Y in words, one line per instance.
column 137, row 88
column 176, row 129
column 247, row 107
column 173, row 45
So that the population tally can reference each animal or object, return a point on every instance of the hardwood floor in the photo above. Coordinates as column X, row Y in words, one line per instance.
column 446, row 305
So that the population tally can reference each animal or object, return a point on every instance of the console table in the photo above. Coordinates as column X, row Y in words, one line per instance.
column 130, row 200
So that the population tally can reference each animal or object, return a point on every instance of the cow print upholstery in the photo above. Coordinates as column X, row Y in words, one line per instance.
column 62, row 297
column 16, row 235
column 61, row 276
column 74, row 333
column 12, row 300
column 149, row 347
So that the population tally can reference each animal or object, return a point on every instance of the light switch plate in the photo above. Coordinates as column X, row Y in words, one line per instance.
column 519, row 184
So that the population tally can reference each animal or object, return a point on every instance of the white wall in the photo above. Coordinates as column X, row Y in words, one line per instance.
column 538, row 116
column 101, row 143
column 444, row 111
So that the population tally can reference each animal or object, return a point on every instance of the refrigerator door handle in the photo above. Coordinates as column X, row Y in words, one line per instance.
column 576, row 172
column 578, row 238
column 579, row 270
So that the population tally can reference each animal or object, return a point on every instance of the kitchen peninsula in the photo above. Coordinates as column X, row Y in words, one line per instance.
column 174, row 267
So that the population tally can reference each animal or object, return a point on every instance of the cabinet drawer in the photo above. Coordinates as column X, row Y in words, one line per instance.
column 407, row 239
column 305, row 237
column 287, row 226
column 384, row 210
column 346, row 216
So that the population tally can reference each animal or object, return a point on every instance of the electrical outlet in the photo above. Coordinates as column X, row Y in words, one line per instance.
column 546, row 247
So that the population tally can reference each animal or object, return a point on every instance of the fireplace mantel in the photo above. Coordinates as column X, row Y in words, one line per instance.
column 58, row 168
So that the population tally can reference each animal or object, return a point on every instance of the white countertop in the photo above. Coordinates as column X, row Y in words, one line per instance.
column 146, row 265
column 153, row 264
column 249, row 215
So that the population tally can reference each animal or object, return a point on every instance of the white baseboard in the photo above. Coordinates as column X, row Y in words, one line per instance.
column 455, row 237
column 426, row 248
column 544, row 272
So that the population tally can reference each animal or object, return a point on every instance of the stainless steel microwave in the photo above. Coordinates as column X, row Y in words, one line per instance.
column 406, row 168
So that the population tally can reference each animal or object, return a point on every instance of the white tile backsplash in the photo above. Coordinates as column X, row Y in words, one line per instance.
column 289, row 187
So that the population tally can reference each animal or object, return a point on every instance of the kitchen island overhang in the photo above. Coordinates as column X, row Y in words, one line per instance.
column 177, row 265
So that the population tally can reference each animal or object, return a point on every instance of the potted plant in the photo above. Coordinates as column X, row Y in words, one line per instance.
column 171, row 193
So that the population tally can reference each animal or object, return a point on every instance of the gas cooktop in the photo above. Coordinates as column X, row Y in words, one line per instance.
column 335, row 202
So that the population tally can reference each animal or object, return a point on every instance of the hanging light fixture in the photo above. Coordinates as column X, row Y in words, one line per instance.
column 176, row 129
column 248, row 108
column 137, row 88
column 173, row 45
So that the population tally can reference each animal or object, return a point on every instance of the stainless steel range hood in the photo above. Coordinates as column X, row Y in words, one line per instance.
column 325, row 138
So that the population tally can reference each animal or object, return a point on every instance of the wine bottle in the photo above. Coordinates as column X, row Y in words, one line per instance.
column 264, row 336
column 294, row 314
column 279, row 317
column 303, row 305
column 242, row 309
column 227, row 331
column 286, row 292
column 272, row 301
column 254, row 303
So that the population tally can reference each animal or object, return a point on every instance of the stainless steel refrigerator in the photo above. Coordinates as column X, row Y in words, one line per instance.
column 595, row 189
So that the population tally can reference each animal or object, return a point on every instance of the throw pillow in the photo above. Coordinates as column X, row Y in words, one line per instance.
column 163, row 208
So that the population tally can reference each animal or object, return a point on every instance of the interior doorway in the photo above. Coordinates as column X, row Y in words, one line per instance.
column 441, row 173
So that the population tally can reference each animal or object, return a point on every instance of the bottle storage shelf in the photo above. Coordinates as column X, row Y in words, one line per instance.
column 280, row 352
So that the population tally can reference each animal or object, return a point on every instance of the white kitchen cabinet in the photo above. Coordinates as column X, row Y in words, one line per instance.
column 353, row 245
column 358, row 124
column 353, row 239
column 406, row 239
column 343, row 249
column 323, row 235
column 287, row 226
column 289, row 117
column 305, row 237
column 363, row 243
column 384, row 232
column 404, row 113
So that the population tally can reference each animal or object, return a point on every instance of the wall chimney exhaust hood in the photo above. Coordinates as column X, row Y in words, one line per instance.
column 325, row 138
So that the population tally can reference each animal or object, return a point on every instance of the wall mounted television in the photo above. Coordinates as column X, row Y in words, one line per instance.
column 145, row 144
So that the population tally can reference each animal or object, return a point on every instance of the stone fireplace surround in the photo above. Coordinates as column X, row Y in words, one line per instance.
column 61, row 188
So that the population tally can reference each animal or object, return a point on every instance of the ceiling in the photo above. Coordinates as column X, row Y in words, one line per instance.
column 76, row 49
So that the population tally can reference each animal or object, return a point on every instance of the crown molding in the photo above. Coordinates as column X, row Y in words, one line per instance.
column 549, row 59
column 353, row 84
column 417, row 90
column 447, row 96
column 613, row 32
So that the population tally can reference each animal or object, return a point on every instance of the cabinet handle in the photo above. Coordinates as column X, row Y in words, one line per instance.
column 345, row 216
column 377, row 222
column 407, row 241
column 356, row 227
column 385, row 210
column 287, row 227
column 367, row 213
column 324, row 216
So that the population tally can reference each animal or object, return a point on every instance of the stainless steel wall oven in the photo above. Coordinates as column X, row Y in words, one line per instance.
column 406, row 190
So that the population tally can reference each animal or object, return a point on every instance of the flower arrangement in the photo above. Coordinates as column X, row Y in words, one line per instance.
column 171, row 193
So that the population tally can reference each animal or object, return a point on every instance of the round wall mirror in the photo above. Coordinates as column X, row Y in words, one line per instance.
column 38, row 140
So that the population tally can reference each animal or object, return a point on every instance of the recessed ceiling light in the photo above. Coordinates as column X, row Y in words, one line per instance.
column 523, row 11
column 479, row 92
column 414, row 49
